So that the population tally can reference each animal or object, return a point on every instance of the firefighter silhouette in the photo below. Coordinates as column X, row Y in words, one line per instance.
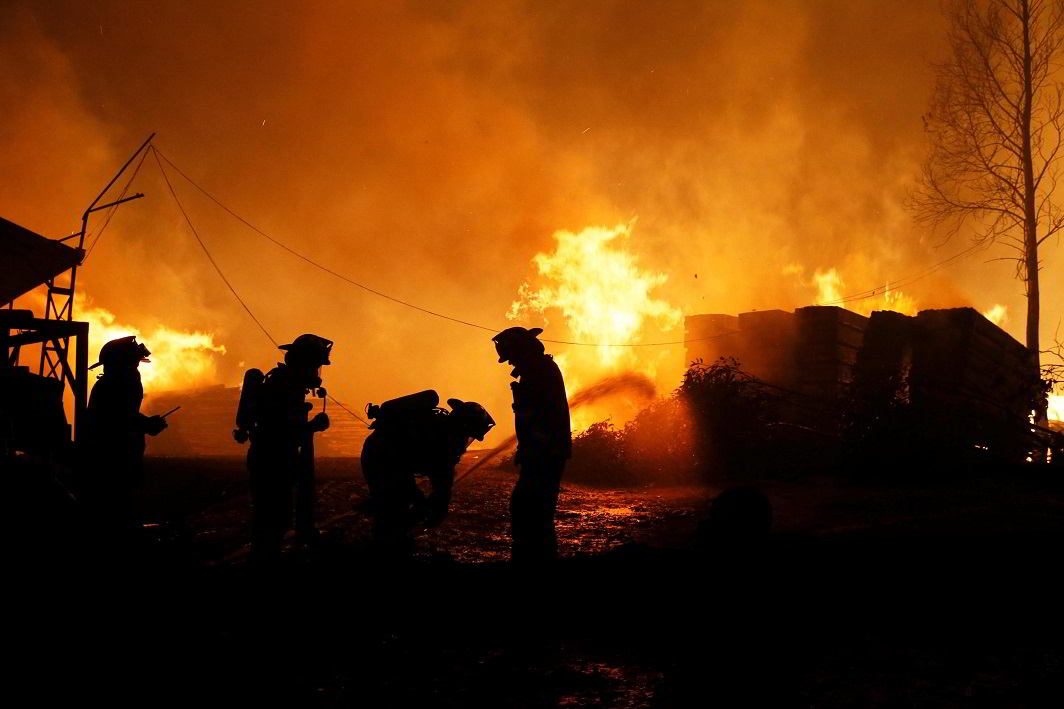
column 274, row 414
column 114, row 436
column 412, row 437
column 544, row 442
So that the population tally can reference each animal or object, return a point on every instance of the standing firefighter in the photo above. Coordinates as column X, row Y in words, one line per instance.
column 114, row 436
column 274, row 414
column 412, row 437
column 544, row 442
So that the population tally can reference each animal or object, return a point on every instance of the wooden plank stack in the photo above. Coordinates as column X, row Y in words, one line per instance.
column 829, row 340
column 884, row 363
column 966, row 366
column 954, row 368
column 710, row 337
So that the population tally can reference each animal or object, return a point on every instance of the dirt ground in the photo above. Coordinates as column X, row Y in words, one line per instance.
column 209, row 498
column 916, row 590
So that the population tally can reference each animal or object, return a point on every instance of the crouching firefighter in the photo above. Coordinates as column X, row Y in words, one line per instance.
column 412, row 437
column 274, row 414
column 114, row 437
column 544, row 442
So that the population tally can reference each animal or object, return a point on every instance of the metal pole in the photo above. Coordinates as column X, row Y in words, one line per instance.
column 80, row 386
column 85, row 217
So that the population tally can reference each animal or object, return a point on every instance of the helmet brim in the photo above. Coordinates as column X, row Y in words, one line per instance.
column 509, row 338
column 326, row 346
column 143, row 360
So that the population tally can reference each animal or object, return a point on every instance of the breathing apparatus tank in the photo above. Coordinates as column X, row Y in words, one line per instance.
column 247, row 410
column 402, row 408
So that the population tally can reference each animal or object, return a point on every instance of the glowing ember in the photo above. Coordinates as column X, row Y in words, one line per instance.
column 618, row 511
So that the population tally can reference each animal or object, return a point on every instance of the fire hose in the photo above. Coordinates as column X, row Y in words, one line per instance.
column 631, row 382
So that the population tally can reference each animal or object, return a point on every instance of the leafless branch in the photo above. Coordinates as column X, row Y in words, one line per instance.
column 996, row 130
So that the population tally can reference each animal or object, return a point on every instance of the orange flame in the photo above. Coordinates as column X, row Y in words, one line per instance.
column 179, row 360
column 831, row 290
column 604, row 297
column 1056, row 407
column 998, row 314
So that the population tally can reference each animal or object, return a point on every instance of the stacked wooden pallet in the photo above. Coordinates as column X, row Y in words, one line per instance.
column 825, row 355
column 885, row 360
column 966, row 365
column 710, row 337
column 767, row 339
column 955, row 370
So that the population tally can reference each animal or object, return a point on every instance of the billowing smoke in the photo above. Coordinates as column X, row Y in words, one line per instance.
column 431, row 150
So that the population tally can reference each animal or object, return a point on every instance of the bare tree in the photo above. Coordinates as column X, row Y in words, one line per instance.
column 995, row 125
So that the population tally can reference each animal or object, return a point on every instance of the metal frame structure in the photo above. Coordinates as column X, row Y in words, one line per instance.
column 57, row 328
column 19, row 328
column 59, row 304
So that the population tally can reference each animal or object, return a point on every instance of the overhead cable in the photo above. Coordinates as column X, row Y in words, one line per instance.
column 225, row 280
column 399, row 301
column 905, row 280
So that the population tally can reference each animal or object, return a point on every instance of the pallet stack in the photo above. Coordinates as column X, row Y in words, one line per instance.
column 964, row 365
column 884, row 362
column 829, row 340
column 962, row 377
column 710, row 337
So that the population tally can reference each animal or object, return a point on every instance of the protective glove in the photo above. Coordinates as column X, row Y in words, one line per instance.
column 155, row 425
column 320, row 422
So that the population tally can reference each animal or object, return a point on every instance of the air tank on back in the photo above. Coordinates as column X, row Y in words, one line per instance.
column 422, row 401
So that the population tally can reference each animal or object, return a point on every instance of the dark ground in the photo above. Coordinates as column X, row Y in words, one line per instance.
column 868, row 593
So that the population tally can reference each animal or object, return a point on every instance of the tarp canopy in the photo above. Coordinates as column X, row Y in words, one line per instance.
column 28, row 259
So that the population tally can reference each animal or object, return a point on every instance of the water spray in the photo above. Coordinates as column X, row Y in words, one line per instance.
column 638, row 384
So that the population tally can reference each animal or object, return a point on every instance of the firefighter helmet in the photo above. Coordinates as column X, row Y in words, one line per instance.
column 474, row 418
column 124, row 350
column 310, row 348
column 517, row 340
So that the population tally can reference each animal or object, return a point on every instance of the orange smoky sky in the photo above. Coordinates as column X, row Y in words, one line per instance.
column 433, row 149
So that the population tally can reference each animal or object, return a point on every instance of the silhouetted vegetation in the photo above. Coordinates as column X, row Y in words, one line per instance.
column 723, row 424
column 885, row 429
column 716, row 423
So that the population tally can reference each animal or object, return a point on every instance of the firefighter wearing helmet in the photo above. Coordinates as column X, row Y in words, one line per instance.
column 114, row 436
column 413, row 437
column 544, row 442
column 275, row 415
